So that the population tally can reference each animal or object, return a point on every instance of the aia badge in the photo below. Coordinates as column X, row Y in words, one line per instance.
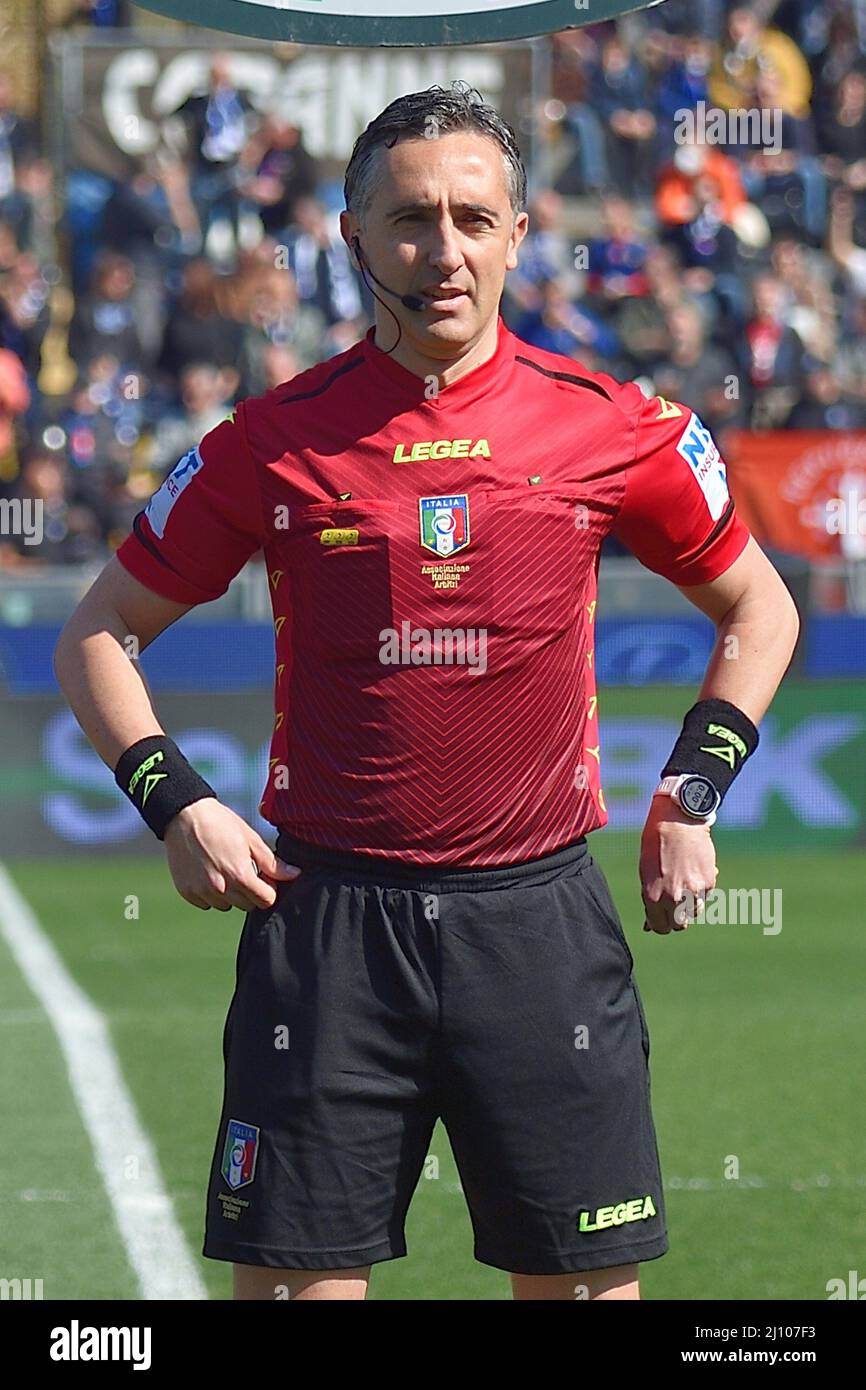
column 444, row 523
column 239, row 1155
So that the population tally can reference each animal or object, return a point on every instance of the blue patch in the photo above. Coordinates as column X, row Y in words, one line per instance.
column 444, row 523
column 239, row 1154
column 158, row 508
column 698, row 448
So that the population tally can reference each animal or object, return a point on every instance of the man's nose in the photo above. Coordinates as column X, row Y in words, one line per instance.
column 445, row 250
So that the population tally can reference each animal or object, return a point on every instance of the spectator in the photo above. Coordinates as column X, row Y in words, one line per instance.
column 24, row 310
column 699, row 203
column 206, row 396
column 702, row 374
column 197, row 330
column 148, row 220
column 676, row 203
column 558, row 325
column 841, row 129
column 842, row 140
column 279, row 365
column 17, row 142
column 14, row 400
column 687, row 16
column 747, row 48
column 841, row 51
column 641, row 322
column 824, row 404
column 105, row 319
column 663, row 271
column 620, row 100
column 218, row 123
column 103, row 423
column 848, row 256
column 574, row 55
column 545, row 252
column 281, row 172
column 786, row 179
column 680, row 88
column 32, row 210
column 70, row 530
column 850, row 360
column 773, row 356
column 809, row 305
column 273, row 315
column 616, row 261
column 91, row 432
column 320, row 263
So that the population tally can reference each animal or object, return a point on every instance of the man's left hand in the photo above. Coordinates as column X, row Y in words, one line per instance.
column 677, row 857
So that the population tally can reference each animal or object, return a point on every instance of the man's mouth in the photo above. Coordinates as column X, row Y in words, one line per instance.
column 442, row 296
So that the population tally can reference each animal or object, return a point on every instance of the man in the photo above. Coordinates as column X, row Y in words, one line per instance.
column 434, row 938
column 217, row 124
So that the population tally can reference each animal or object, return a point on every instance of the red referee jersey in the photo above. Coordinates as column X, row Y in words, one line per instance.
column 433, row 562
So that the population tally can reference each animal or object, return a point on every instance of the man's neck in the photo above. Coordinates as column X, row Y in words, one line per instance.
column 447, row 369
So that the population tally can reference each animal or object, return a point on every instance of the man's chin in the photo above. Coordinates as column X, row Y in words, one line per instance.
column 454, row 327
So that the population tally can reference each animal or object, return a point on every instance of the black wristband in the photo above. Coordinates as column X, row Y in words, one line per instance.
column 715, row 742
column 159, row 781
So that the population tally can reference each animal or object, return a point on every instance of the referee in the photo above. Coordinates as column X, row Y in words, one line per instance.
column 432, row 937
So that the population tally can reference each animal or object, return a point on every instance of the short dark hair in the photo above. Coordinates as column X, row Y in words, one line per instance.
column 441, row 111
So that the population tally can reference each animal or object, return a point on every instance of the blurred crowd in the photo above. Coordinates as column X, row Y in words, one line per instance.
column 723, row 271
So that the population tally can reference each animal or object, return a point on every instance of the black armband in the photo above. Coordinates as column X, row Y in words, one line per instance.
column 715, row 742
column 159, row 781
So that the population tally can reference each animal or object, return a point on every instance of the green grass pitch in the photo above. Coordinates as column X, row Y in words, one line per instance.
column 757, row 1053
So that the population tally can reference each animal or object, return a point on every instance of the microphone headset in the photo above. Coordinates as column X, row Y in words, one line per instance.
column 410, row 301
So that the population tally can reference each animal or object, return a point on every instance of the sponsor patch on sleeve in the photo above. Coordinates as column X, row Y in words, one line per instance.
column 159, row 507
column 699, row 450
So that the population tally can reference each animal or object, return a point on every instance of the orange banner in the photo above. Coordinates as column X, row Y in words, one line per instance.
column 801, row 491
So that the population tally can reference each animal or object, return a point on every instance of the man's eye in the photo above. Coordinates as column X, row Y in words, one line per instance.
column 471, row 217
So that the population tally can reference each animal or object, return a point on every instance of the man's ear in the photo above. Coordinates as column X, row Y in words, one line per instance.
column 521, row 227
column 349, row 233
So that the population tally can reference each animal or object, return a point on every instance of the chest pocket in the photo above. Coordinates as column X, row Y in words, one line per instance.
column 540, row 542
column 341, row 576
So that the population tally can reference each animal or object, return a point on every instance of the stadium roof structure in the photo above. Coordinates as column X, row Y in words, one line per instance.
column 393, row 23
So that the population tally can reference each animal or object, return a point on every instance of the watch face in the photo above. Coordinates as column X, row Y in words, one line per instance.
column 698, row 796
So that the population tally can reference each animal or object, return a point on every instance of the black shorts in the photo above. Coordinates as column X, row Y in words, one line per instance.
column 374, row 998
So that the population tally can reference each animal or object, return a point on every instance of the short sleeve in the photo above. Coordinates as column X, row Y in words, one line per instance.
column 202, row 525
column 677, row 515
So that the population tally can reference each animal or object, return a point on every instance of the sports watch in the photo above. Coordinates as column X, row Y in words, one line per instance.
column 694, row 794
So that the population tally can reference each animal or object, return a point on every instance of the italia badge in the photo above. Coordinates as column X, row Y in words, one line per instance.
column 239, row 1155
column 444, row 523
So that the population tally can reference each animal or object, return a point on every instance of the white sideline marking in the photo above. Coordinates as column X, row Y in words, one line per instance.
column 155, row 1244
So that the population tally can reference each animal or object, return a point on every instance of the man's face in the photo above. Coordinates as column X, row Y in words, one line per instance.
column 440, row 222
column 200, row 388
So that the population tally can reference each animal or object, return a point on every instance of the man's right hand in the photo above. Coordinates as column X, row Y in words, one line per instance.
column 217, row 860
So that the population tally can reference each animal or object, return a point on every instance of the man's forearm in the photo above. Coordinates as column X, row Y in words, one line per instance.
column 104, row 688
column 753, row 650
